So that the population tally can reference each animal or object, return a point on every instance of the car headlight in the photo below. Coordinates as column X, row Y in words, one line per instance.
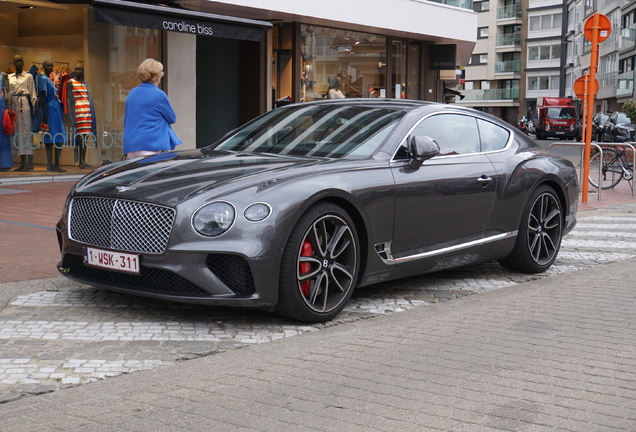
column 257, row 212
column 213, row 219
column 621, row 130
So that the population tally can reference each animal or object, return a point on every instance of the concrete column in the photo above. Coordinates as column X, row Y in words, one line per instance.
column 180, row 71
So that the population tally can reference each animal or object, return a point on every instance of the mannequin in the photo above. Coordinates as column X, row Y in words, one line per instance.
column 52, row 123
column 22, row 100
column 6, row 160
column 81, row 114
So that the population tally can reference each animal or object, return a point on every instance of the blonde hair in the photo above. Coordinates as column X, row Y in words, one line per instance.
column 150, row 70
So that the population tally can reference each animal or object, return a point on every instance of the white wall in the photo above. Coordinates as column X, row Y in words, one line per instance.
column 180, row 67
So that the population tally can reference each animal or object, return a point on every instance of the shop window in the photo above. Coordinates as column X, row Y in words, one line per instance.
column 115, row 52
column 341, row 63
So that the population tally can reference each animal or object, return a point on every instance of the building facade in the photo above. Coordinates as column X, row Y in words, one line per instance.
column 228, row 61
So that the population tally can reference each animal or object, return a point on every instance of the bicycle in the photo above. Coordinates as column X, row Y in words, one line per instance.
column 616, row 167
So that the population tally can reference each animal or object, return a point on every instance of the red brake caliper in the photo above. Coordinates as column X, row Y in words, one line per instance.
column 305, row 267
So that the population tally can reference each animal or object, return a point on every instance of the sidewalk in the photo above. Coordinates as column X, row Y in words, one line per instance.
column 30, row 211
column 555, row 354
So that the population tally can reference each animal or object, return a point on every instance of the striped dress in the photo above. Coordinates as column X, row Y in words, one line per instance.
column 83, row 116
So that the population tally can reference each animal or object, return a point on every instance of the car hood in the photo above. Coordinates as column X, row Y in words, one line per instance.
column 173, row 177
column 626, row 126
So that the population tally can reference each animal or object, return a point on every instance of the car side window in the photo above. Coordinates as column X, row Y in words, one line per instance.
column 493, row 137
column 456, row 134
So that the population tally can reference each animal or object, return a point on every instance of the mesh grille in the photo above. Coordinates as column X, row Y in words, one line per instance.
column 149, row 280
column 233, row 271
column 122, row 225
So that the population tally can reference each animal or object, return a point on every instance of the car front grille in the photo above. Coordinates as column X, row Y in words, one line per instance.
column 119, row 224
column 150, row 279
column 233, row 271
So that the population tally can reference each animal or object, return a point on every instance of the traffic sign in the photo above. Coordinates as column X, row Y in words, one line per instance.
column 604, row 27
column 580, row 84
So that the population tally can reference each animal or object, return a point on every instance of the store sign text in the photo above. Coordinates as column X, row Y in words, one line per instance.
column 185, row 27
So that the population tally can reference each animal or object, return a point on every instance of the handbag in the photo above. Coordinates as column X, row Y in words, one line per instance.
column 8, row 122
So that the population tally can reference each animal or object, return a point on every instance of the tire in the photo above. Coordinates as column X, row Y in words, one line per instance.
column 539, row 237
column 612, row 169
column 320, row 265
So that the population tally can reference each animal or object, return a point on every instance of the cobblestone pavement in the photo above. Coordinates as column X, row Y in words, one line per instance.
column 69, row 334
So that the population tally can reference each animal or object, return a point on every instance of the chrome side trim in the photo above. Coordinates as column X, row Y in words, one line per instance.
column 384, row 249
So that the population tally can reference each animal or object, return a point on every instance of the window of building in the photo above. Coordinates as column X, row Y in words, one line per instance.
column 482, row 6
column 535, row 23
column 544, row 53
column 533, row 83
column 114, row 54
column 339, row 59
column 557, row 20
column 478, row 59
column 555, row 81
column 544, row 83
column 546, row 22
column 482, row 32
column 556, row 52
column 533, row 53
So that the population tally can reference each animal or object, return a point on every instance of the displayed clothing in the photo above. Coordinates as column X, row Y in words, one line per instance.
column 147, row 118
column 23, row 100
column 335, row 94
column 57, row 133
column 84, row 118
column 6, row 159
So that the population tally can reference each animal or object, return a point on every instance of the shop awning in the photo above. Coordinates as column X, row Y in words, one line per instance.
column 143, row 15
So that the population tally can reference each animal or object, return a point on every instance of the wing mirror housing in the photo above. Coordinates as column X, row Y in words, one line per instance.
column 422, row 149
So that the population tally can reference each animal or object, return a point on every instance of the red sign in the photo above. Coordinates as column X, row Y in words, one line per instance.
column 579, row 86
column 604, row 27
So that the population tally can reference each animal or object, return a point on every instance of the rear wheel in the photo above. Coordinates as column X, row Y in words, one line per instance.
column 539, row 237
column 320, row 265
column 612, row 169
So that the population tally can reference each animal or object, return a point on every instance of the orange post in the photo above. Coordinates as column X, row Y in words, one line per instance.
column 597, row 29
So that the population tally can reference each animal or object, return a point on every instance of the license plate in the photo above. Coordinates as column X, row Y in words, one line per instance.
column 560, row 133
column 118, row 261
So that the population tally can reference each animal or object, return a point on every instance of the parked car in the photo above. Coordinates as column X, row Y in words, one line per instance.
column 298, row 207
column 618, row 128
column 598, row 121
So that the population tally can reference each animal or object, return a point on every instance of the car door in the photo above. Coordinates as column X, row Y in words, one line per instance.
column 443, row 206
column 608, row 128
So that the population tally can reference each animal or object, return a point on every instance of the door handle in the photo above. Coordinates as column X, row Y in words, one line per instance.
column 484, row 180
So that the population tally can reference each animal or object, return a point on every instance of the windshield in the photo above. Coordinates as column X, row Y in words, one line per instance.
column 561, row 113
column 331, row 131
column 622, row 118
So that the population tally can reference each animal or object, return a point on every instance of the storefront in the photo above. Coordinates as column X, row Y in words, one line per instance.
column 110, row 40
column 224, row 64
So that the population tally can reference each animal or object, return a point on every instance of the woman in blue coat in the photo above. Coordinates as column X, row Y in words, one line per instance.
column 148, row 115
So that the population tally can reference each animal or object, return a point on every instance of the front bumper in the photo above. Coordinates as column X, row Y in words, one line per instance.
column 211, row 278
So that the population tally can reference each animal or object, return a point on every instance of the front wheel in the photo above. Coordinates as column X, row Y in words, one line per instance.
column 611, row 169
column 320, row 265
column 539, row 237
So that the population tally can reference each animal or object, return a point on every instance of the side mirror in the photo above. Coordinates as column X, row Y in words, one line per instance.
column 422, row 148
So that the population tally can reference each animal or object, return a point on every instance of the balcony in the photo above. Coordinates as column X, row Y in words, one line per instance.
column 509, row 40
column 508, row 12
column 490, row 95
column 628, row 38
column 513, row 66
column 625, row 84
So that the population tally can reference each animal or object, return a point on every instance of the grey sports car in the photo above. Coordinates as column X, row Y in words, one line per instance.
column 294, row 210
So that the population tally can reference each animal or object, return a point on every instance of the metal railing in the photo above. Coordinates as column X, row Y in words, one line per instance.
column 599, row 148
